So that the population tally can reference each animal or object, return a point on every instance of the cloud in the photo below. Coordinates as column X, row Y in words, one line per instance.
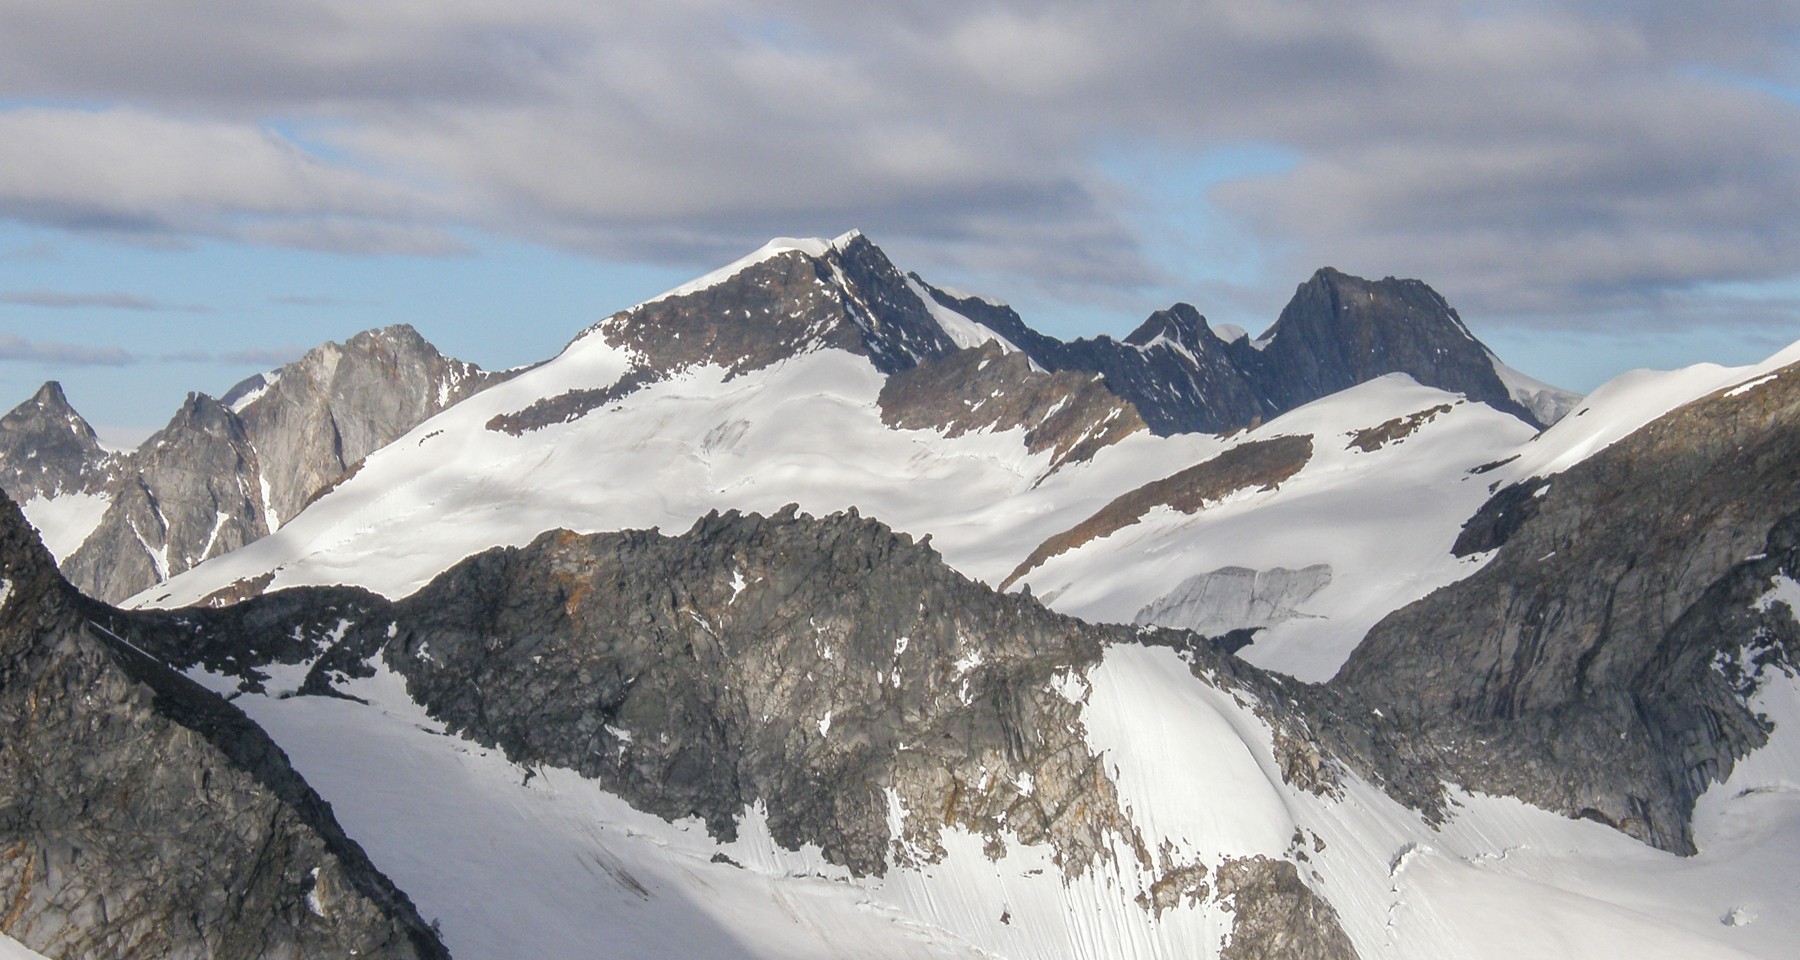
column 139, row 175
column 263, row 356
column 14, row 347
column 1543, row 161
column 65, row 300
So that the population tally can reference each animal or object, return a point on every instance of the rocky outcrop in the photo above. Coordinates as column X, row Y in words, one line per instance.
column 1256, row 464
column 796, row 663
column 1071, row 415
column 223, row 473
column 1577, row 669
column 1276, row 915
column 1371, row 439
column 313, row 419
column 143, row 816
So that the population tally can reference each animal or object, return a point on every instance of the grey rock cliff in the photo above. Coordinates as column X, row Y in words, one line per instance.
column 143, row 816
column 339, row 403
column 187, row 494
column 1580, row 668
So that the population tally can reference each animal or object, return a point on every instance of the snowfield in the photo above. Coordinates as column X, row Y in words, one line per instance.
column 11, row 949
column 65, row 522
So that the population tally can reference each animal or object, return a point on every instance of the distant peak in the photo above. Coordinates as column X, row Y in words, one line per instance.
column 50, row 395
column 1181, row 323
column 397, row 331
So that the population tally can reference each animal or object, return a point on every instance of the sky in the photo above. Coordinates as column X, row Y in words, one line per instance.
column 195, row 190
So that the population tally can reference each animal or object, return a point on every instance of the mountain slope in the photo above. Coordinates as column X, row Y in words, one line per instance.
column 789, row 684
column 140, row 815
column 52, row 464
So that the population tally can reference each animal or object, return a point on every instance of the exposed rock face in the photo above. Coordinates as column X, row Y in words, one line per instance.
column 1072, row 415
column 1341, row 330
column 1337, row 332
column 224, row 473
column 1277, row 915
column 322, row 413
column 189, row 493
column 47, row 449
column 1258, row 464
column 781, row 660
column 143, row 816
column 1577, row 669
column 1371, row 439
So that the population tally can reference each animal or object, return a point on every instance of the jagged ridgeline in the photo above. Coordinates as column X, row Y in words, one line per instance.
column 223, row 472
column 226, row 472
column 828, row 671
column 141, row 816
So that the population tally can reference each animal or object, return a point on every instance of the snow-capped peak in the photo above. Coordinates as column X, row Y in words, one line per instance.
column 810, row 246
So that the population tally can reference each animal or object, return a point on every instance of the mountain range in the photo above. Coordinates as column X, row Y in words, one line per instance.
column 1346, row 640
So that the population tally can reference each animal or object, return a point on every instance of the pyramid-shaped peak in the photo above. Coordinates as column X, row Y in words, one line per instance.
column 48, row 410
column 1182, row 323
column 1354, row 295
column 1340, row 330
column 51, row 396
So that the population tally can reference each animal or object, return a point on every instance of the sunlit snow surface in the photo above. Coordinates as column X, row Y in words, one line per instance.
column 65, row 522
column 11, row 950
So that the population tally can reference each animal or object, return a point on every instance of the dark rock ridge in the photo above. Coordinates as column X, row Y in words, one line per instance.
column 1177, row 373
column 815, row 666
column 1337, row 331
column 47, row 449
column 141, row 815
column 226, row 472
column 1072, row 415
column 1580, row 669
column 1259, row 464
column 849, row 298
